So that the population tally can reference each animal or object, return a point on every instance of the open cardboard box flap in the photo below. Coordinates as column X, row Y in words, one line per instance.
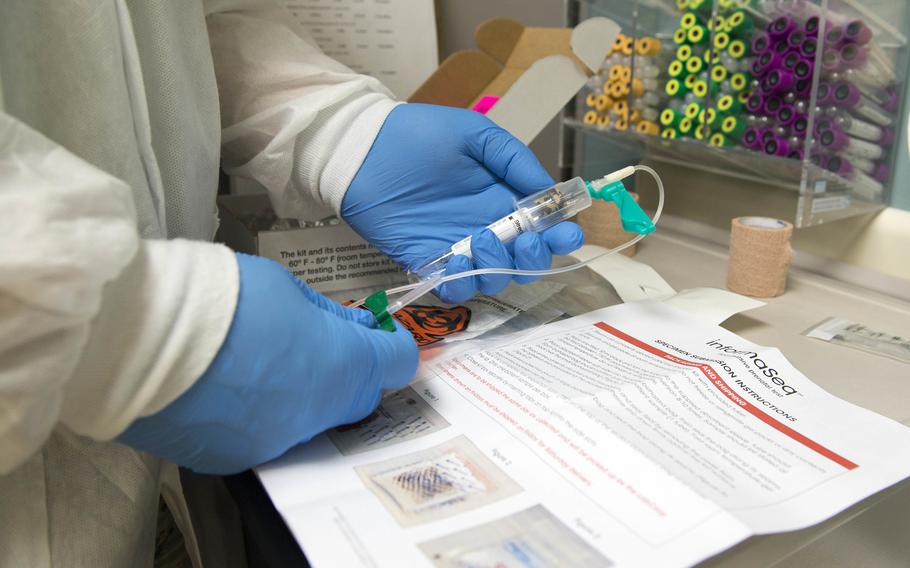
column 533, row 71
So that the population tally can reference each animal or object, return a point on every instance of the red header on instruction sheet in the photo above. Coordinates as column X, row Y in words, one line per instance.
column 715, row 379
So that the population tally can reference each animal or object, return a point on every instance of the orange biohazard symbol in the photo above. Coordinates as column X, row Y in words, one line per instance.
column 429, row 324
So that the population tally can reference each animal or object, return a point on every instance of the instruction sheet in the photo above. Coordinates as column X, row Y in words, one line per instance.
column 392, row 40
column 634, row 435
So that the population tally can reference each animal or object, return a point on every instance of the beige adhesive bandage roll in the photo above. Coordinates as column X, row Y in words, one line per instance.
column 759, row 256
column 602, row 225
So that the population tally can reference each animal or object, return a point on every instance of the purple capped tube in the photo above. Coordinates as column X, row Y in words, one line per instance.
column 831, row 61
column 752, row 138
column 800, row 125
column 779, row 81
column 791, row 59
column 835, row 36
column 838, row 165
column 865, row 76
column 761, row 43
column 812, row 25
column 777, row 146
column 809, row 47
column 862, row 129
column 781, row 27
column 824, row 94
column 835, row 140
column 769, row 60
column 755, row 103
column 773, row 104
column 796, row 38
column 803, row 87
column 858, row 32
column 787, row 115
column 852, row 56
column 803, row 68
column 848, row 95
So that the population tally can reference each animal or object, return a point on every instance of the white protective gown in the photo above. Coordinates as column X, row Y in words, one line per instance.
column 112, row 303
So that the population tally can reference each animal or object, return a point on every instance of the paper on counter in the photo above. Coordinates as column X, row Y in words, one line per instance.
column 635, row 281
column 713, row 305
column 649, row 436
column 632, row 280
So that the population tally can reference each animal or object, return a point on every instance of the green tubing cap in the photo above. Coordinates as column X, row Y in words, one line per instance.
column 377, row 304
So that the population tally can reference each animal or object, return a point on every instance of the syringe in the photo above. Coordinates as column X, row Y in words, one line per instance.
column 537, row 212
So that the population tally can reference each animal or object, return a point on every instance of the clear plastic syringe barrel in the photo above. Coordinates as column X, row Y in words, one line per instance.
column 536, row 212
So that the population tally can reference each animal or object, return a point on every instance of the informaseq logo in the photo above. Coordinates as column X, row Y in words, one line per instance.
column 759, row 364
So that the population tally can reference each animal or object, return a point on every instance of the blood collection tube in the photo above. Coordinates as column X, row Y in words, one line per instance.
column 791, row 59
column 809, row 47
column 803, row 86
column 858, row 32
column 676, row 69
column 733, row 127
column 781, row 27
column 755, row 103
column 777, row 146
column 835, row 36
column 721, row 40
column 825, row 93
column 670, row 117
column 796, row 154
column 803, row 68
column 866, row 130
column 761, row 43
column 848, row 95
column 831, row 61
column 838, row 165
column 737, row 49
column 697, row 34
column 863, row 165
column 835, row 140
column 779, row 81
column 683, row 52
column 800, row 125
column 767, row 61
column 865, row 185
column 729, row 104
column 752, row 138
column 796, row 38
column 688, row 20
column 773, row 104
column 811, row 26
column 787, row 115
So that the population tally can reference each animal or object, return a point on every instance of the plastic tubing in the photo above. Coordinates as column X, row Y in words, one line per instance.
column 418, row 289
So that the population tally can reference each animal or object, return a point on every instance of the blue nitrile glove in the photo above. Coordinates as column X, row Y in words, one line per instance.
column 438, row 174
column 293, row 365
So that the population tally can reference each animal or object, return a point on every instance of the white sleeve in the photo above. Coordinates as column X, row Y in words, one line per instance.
column 97, row 326
column 293, row 119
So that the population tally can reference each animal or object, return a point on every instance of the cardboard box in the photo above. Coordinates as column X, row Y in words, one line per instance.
column 534, row 72
column 329, row 257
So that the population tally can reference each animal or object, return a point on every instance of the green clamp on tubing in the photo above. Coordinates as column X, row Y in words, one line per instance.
column 633, row 217
column 377, row 304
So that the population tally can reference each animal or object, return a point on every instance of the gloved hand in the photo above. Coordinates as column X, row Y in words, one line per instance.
column 438, row 174
column 293, row 365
